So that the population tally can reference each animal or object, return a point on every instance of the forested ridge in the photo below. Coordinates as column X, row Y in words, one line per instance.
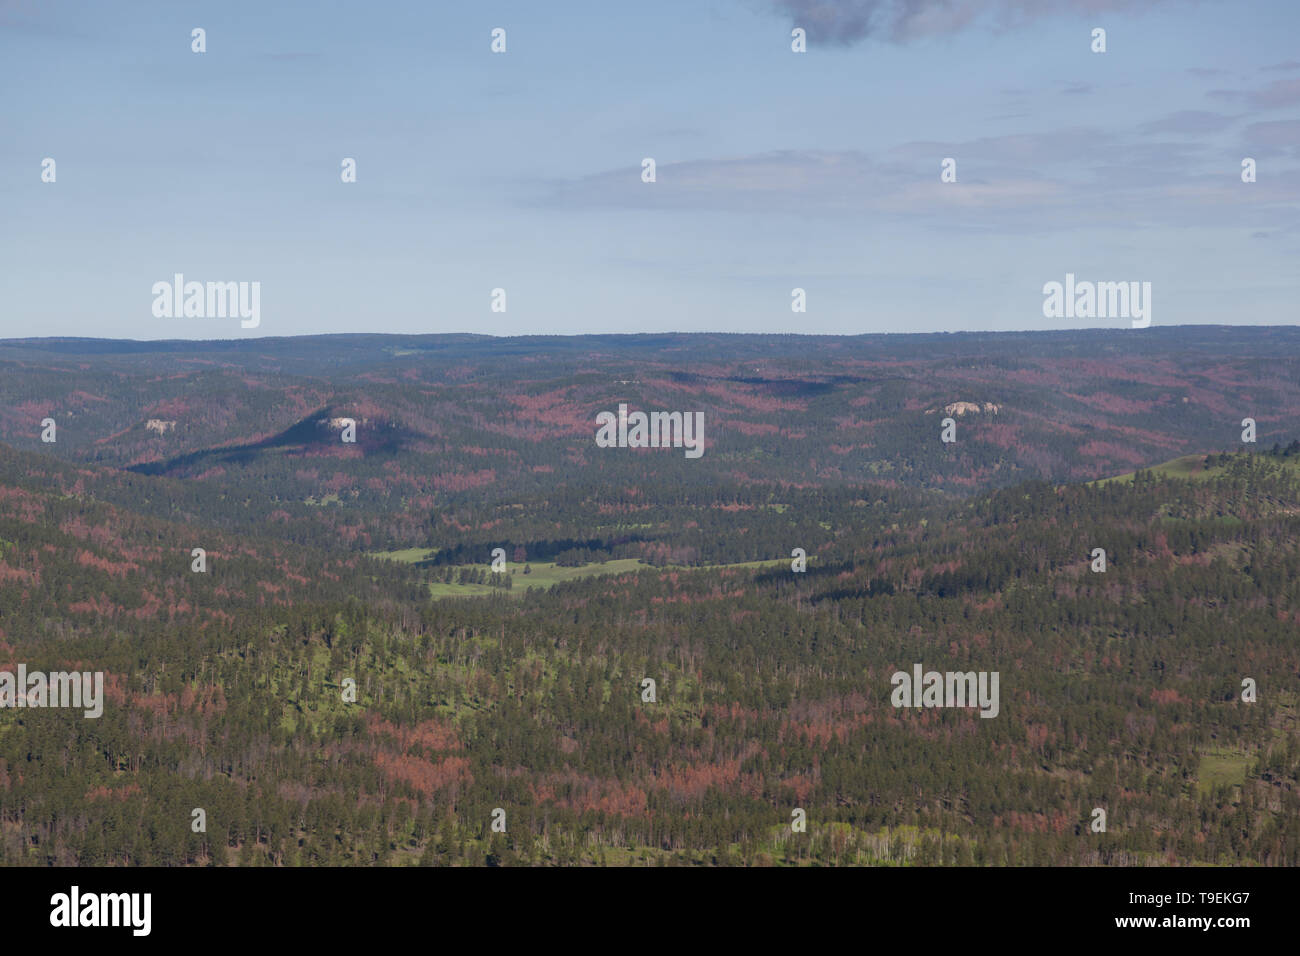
column 454, row 431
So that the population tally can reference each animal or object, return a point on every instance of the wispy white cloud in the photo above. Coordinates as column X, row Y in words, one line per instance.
column 1278, row 93
column 1059, row 179
column 1192, row 122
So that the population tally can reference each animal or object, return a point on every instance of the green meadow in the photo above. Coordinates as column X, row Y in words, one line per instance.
column 546, row 574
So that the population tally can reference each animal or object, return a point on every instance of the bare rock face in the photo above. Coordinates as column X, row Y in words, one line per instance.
column 961, row 408
column 159, row 426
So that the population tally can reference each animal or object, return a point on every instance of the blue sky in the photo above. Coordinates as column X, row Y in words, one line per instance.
column 522, row 170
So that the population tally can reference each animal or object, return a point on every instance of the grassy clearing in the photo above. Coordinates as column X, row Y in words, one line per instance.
column 1220, row 768
column 546, row 574
column 1188, row 466
column 405, row 556
column 1193, row 466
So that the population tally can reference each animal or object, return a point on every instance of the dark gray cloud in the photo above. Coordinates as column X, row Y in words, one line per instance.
column 845, row 22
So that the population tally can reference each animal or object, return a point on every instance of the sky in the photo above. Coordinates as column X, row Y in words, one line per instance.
column 522, row 170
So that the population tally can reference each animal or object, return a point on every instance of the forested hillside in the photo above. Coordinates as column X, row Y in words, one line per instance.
column 1119, row 689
